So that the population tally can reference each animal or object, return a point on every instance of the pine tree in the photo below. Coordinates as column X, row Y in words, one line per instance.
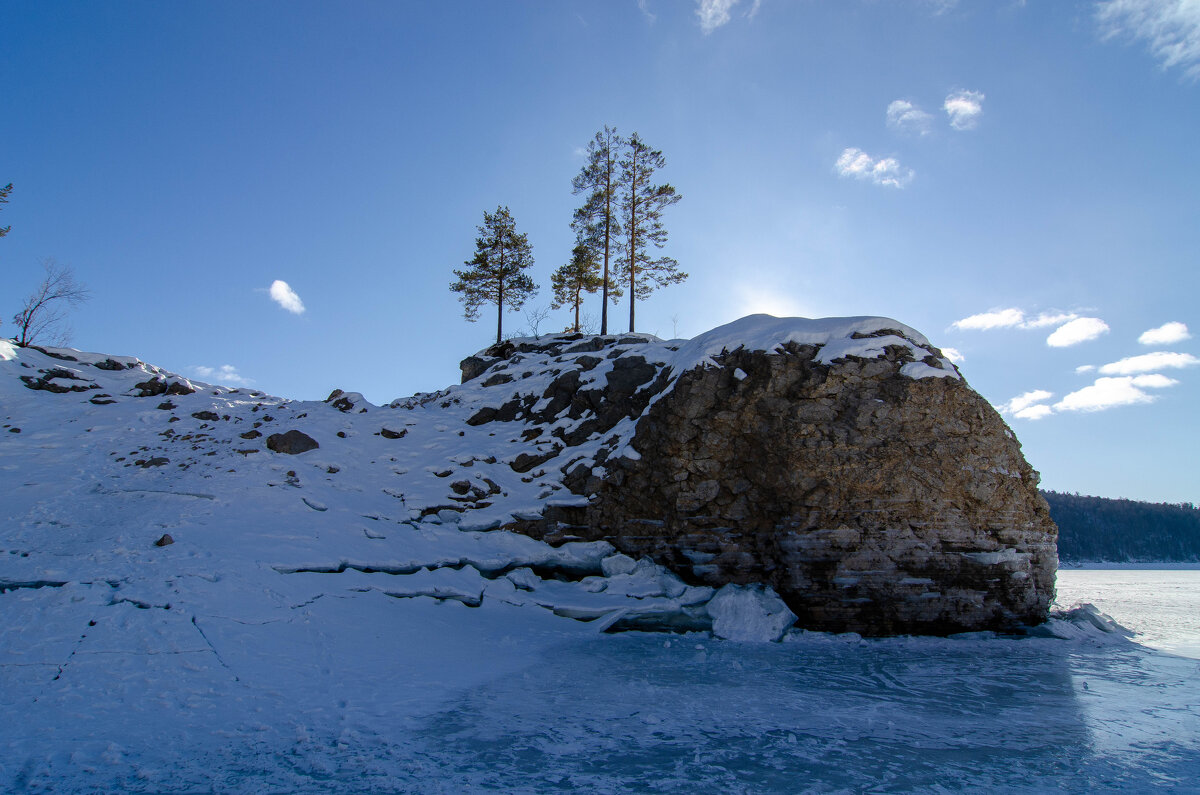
column 596, row 223
column 7, row 189
column 580, row 275
column 642, row 203
column 494, row 275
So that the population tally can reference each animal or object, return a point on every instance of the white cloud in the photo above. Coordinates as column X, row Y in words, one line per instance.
column 646, row 11
column 1081, row 329
column 904, row 116
column 1013, row 318
column 225, row 374
column 1048, row 319
column 1149, row 362
column 1034, row 412
column 1171, row 29
column 286, row 297
column 715, row 13
column 1021, row 404
column 885, row 171
column 1166, row 334
column 1085, row 368
column 964, row 109
column 954, row 355
column 1107, row 393
column 997, row 318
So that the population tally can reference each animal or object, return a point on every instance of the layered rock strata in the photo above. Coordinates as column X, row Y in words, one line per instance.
column 876, row 491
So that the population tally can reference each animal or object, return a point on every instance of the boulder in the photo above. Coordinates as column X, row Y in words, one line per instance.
column 292, row 442
column 844, row 463
column 870, row 501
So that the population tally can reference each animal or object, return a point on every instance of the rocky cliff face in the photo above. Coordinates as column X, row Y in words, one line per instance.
column 874, row 490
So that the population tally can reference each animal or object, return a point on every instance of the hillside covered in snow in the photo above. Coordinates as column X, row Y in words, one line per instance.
column 191, row 600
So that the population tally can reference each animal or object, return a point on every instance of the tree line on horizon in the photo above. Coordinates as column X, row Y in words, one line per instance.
column 1120, row 530
column 616, row 228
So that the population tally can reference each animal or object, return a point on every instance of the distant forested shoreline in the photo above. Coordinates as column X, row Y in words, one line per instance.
column 1119, row 530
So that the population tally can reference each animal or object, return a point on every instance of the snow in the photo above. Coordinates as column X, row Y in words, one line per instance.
column 337, row 622
column 749, row 613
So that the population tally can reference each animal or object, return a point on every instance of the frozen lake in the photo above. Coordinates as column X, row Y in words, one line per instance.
column 365, row 693
column 1161, row 606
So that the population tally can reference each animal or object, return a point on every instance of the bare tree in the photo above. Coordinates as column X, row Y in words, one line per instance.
column 535, row 318
column 45, row 310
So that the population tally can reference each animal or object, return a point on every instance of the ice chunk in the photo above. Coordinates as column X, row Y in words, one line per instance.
column 617, row 564
column 750, row 613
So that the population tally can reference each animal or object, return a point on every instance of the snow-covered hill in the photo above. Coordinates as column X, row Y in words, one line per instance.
column 344, row 620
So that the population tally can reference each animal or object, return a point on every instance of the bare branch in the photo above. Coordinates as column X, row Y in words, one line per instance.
column 45, row 310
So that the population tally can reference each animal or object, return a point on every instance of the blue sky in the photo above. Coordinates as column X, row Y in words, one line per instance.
column 988, row 173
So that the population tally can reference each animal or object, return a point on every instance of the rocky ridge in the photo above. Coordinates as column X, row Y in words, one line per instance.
column 842, row 463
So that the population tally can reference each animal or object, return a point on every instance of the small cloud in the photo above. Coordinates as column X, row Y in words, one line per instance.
column 1170, row 28
column 985, row 321
column 885, row 171
column 1021, row 404
column 714, row 13
column 906, row 117
column 1107, row 393
column 285, row 296
column 1012, row 318
column 964, row 109
column 954, row 355
column 1149, row 362
column 1085, row 368
column 1081, row 329
column 1049, row 319
column 225, row 374
column 939, row 7
column 1034, row 412
column 646, row 11
column 1166, row 334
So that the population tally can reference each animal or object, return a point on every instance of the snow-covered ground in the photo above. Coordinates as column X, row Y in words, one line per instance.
column 315, row 627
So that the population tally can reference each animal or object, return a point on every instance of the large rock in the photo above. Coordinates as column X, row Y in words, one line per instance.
column 852, row 470
column 292, row 442
column 869, row 500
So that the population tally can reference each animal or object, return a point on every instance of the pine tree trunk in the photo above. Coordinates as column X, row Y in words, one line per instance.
column 632, row 239
column 607, row 227
column 578, row 301
column 500, row 311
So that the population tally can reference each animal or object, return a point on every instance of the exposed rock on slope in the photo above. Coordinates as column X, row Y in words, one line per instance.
column 842, row 461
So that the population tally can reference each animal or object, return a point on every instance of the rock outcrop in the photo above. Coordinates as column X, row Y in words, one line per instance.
column 841, row 464
column 857, row 473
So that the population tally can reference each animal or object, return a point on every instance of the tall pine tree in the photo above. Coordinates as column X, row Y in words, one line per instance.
column 580, row 275
column 642, row 203
column 596, row 223
column 494, row 275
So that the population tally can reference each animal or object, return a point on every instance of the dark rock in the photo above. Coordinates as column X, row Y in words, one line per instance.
column 164, row 541
column 498, row 378
column 251, row 434
column 14, row 430
column 167, row 405
column 207, row 416
column 159, row 386
column 388, row 433
column 108, row 364
column 291, row 443
column 152, row 462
